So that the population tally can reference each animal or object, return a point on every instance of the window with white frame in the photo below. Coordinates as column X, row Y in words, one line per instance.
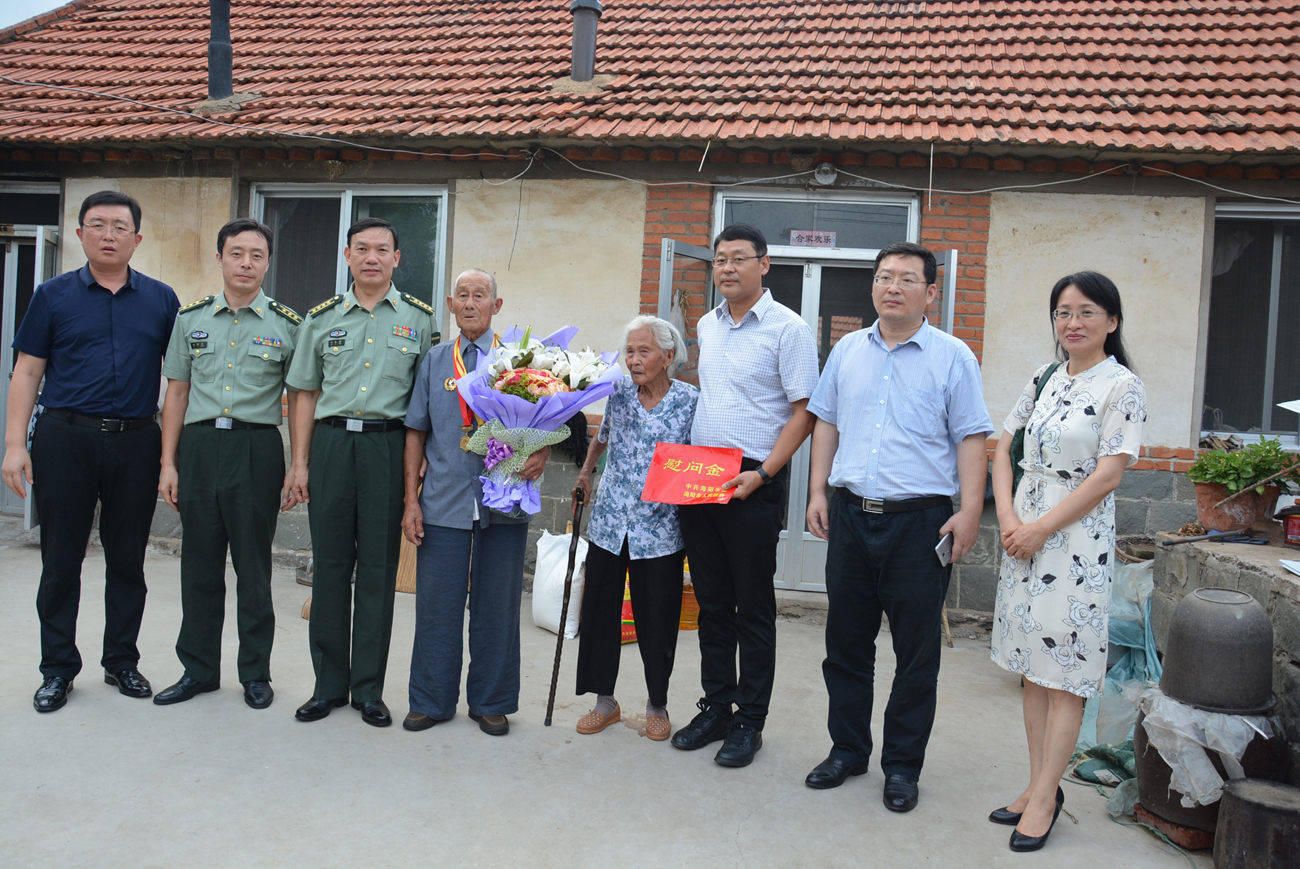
column 1252, row 358
column 310, row 223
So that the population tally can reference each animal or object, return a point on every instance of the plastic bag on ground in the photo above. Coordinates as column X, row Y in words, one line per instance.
column 1122, row 799
column 548, row 583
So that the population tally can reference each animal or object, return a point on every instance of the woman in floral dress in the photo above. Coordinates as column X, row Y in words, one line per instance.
column 1059, row 534
column 630, row 537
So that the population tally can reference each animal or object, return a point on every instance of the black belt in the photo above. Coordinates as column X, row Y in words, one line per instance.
column 225, row 422
column 365, row 424
column 906, row 505
column 113, row 425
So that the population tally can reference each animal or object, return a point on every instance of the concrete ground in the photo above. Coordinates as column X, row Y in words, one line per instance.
column 111, row 781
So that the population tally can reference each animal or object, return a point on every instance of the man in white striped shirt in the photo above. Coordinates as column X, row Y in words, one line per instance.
column 758, row 368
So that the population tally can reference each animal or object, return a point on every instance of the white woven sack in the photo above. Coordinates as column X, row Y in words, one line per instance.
column 548, row 583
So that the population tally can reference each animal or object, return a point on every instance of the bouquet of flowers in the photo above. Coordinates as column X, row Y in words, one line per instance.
column 524, row 391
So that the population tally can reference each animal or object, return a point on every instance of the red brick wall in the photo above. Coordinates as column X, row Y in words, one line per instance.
column 958, row 222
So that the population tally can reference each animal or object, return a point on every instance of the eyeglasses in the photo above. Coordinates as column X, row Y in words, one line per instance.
column 722, row 262
column 1084, row 314
column 98, row 227
column 902, row 283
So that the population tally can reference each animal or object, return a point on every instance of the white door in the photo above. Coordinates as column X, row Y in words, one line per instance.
column 28, row 257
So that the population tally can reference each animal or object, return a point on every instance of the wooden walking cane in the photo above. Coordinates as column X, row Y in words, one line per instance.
column 564, row 607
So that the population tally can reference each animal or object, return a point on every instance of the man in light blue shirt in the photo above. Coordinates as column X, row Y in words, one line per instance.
column 901, row 422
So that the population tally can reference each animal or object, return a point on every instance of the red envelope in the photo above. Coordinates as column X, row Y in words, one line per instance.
column 682, row 474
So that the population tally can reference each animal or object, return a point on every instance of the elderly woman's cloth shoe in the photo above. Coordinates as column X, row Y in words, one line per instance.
column 595, row 722
column 658, row 728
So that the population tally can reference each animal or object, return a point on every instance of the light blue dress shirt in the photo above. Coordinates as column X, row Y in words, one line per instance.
column 631, row 431
column 901, row 412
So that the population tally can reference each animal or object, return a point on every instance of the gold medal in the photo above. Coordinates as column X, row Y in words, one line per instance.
column 464, row 442
column 449, row 384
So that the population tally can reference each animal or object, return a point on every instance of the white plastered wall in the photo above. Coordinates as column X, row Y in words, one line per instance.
column 565, row 253
column 1152, row 247
column 181, row 219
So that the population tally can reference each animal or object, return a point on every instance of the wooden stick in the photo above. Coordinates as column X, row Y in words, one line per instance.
column 564, row 607
column 947, row 634
column 1246, row 489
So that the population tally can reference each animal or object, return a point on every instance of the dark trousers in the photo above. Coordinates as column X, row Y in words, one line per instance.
column 75, row 467
column 230, row 482
column 355, row 514
column 487, row 565
column 883, row 563
column 732, row 551
column 656, row 585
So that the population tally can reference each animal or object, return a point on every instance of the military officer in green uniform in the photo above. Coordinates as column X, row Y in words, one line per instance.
column 223, row 461
column 356, row 365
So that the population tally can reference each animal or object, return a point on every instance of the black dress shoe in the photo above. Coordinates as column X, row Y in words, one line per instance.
column 129, row 682
column 1021, row 842
column 901, row 794
column 492, row 725
column 52, row 694
column 258, row 693
column 709, row 726
column 373, row 712
column 315, row 709
column 831, row 773
column 1006, row 816
column 183, row 690
column 743, row 742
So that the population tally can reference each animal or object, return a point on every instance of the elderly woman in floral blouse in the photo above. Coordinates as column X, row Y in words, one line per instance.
column 635, row 538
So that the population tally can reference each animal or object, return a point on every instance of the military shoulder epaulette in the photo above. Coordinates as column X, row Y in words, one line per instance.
column 285, row 311
column 199, row 304
column 332, row 300
column 423, row 306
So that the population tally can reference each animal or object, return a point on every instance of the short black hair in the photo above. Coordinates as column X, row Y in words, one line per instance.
column 907, row 248
column 244, row 224
column 110, row 197
column 373, row 223
column 744, row 232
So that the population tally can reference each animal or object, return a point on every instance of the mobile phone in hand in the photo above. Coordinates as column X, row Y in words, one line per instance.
column 944, row 549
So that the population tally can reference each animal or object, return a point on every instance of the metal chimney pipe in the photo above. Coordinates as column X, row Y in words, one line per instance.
column 220, row 51
column 585, row 15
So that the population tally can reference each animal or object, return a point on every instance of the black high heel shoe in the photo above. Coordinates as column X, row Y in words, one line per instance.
column 1010, row 818
column 1021, row 842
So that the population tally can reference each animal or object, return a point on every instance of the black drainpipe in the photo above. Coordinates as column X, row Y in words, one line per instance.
column 220, row 52
column 585, row 15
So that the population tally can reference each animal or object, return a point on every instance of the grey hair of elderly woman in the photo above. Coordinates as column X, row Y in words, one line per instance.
column 665, row 335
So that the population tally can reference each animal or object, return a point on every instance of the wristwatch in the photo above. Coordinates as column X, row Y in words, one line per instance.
column 762, row 474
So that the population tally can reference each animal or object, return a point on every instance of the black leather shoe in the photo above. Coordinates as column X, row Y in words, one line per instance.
column 1021, row 842
column 129, row 682
column 831, row 773
column 709, row 726
column 315, row 709
column 901, row 794
column 183, row 690
column 1006, row 816
column 419, row 721
column 258, row 693
column 743, row 742
column 492, row 725
column 52, row 694
column 373, row 712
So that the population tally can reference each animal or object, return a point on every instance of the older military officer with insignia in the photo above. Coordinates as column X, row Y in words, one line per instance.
column 357, row 360
column 223, row 462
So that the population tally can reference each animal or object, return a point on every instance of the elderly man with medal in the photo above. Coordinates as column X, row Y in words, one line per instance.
column 466, row 550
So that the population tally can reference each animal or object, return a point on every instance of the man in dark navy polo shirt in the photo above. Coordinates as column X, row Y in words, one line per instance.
column 97, row 335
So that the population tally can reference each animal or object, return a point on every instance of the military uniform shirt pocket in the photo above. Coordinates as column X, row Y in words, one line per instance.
column 337, row 358
column 265, row 367
column 203, row 361
column 402, row 354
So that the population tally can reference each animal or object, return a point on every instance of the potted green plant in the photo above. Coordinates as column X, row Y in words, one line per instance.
column 1235, row 489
